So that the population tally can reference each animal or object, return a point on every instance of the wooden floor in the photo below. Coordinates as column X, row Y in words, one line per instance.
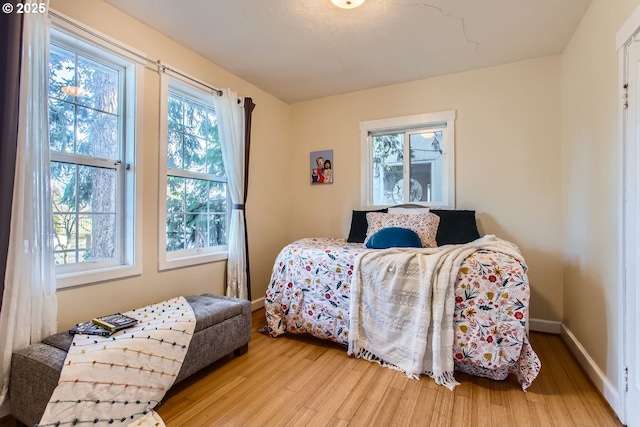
column 302, row 381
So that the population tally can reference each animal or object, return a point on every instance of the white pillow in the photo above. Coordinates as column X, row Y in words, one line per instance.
column 411, row 211
column 425, row 225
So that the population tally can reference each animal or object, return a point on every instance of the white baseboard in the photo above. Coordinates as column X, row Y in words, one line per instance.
column 596, row 375
column 546, row 326
column 257, row 304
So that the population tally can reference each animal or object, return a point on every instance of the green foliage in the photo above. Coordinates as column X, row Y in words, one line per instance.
column 386, row 147
column 196, row 208
column 83, row 123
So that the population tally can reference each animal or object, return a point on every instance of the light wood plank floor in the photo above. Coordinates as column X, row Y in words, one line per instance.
column 302, row 381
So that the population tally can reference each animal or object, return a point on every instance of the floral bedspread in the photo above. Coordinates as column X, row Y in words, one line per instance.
column 310, row 287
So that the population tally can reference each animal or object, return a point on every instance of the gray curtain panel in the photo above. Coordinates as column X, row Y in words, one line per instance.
column 248, row 111
column 10, row 44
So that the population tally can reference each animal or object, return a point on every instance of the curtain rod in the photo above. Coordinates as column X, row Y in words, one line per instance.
column 106, row 39
column 164, row 67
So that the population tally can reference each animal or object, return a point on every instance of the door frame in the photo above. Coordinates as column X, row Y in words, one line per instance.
column 629, row 213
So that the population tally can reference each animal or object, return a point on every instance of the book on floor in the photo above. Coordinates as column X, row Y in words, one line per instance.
column 115, row 322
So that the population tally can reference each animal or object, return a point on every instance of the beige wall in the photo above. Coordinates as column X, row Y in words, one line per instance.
column 591, row 165
column 507, row 159
column 268, row 202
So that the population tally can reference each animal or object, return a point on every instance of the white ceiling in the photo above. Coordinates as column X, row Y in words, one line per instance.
column 299, row 50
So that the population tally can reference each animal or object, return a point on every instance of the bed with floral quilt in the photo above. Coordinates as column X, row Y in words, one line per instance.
column 310, row 292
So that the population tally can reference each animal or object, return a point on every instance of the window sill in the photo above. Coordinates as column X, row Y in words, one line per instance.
column 192, row 260
column 69, row 280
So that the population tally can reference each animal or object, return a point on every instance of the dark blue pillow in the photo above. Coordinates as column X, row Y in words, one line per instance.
column 394, row 237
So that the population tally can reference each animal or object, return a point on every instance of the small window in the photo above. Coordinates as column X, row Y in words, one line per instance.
column 91, row 149
column 409, row 160
column 194, row 215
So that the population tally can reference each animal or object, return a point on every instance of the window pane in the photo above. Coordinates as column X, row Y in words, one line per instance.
column 175, row 195
column 89, row 190
column 63, row 187
column 62, row 72
column 196, row 207
column 218, row 198
column 97, row 190
column 61, row 126
column 210, row 129
column 197, row 233
column 96, row 237
column 426, row 167
column 217, row 230
column 195, row 150
column 97, row 134
column 99, row 86
column 196, row 120
column 387, row 169
column 215, row 165
column 175, row 232
column 197, row 195
column 64, row 240
column 218, row 214
column 176, row 112
column 174, row 150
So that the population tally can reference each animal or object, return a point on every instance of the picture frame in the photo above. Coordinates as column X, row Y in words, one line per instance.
column 321, row 167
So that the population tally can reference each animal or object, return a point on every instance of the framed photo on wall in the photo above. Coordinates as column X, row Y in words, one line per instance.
column 321, row 165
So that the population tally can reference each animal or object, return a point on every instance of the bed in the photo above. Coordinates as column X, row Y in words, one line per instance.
column 311, row 288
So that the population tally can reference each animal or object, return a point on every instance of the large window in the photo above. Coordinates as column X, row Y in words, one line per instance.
column 91, row 106
column 409, row 160
column 194, row 185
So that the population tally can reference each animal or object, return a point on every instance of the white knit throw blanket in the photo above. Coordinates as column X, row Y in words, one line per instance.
column 118, row 380
column 402, row 304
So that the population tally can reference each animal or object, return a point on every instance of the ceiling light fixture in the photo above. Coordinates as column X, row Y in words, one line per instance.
column 347, row 4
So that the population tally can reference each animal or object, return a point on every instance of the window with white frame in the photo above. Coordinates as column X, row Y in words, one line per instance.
column 193, row 192
column 92, row 98
column 409, row 160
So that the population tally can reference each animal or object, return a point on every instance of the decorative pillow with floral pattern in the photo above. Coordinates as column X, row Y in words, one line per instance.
column 425, row 225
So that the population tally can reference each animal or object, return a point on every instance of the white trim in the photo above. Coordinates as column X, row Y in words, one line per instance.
column 184, row 258
column 257, row 304
column 134, row 156
column 78, row 29
column 628, row 213
column 446, row 118
column 79, row 278
column 546, row 326
column 628, row 29
column 592, row 370
column 162, row 171
column 400, row 122
column 621, row 410
column 128, row 260
column 166, row 263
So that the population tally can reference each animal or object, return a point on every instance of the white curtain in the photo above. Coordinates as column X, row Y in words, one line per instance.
column 230, row 115
column 29, row 305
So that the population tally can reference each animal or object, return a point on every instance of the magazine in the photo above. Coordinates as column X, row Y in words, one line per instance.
column 115, row 322
column 90, row 328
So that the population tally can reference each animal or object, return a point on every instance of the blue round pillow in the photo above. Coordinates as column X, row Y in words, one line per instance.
column 394, row 237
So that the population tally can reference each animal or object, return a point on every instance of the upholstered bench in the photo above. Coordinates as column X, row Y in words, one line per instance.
column 223, row 325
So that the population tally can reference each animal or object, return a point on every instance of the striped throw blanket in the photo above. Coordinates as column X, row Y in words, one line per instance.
column 118, row 380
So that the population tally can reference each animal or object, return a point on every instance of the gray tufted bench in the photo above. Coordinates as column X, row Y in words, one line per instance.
column 223, row 325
